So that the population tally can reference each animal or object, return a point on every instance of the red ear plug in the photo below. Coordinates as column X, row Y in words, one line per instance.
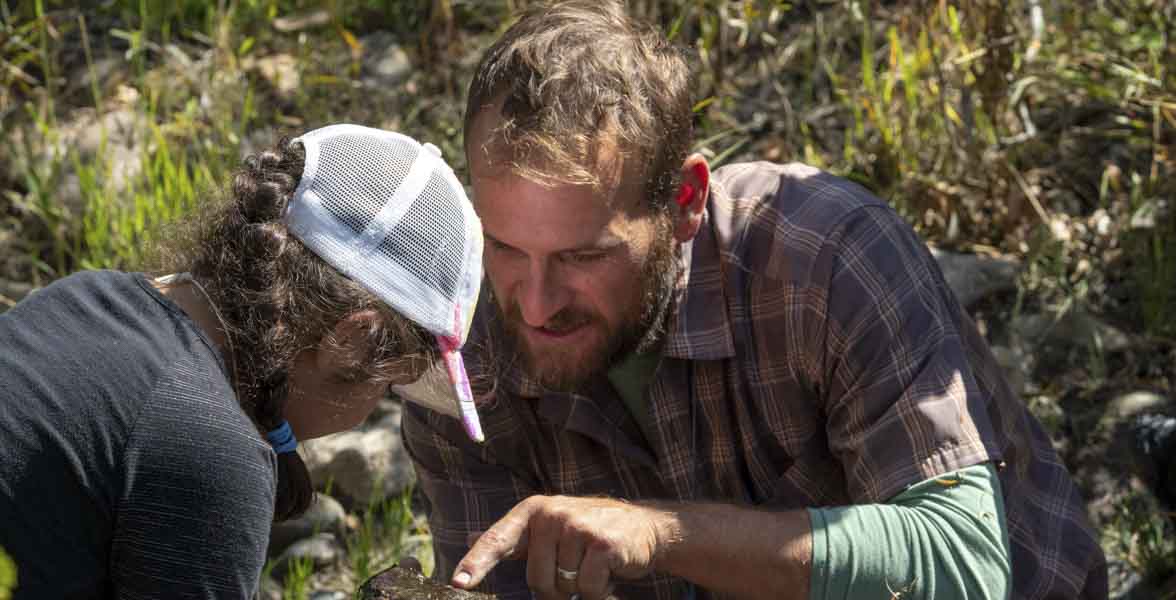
column 685, row 195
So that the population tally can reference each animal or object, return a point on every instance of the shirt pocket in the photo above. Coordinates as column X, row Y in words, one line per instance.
column 813, row 479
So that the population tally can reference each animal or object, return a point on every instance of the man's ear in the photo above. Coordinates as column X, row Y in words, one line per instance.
column 346, row 345
column 691, row 197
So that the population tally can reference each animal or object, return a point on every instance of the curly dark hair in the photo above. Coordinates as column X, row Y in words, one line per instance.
column 278, row 298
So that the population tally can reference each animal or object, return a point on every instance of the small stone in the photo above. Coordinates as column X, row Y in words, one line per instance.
column 1102, row 222
column 321, row 550
column 1060, row 229
column 12, row 292
column 281, row 71
column 308, row 20
column 1130, row 404
column 385, row 63
column 325, row 515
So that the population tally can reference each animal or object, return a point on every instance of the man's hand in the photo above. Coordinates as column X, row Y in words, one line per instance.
column 571, row 545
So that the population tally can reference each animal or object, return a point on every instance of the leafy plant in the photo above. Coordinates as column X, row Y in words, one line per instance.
column 7, row 576
column 1145, row 536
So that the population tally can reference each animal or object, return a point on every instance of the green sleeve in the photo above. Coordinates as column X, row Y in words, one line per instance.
column 942, row 538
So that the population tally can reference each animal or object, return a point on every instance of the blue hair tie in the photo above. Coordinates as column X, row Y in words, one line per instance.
column 282, row 438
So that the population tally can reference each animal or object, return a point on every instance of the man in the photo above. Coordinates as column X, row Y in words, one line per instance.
column 748, row 383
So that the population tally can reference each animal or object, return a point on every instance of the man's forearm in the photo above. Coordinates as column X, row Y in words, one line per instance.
column 737, row 551
column 942, row 537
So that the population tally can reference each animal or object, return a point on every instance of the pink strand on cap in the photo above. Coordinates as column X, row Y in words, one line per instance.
column 455, row 365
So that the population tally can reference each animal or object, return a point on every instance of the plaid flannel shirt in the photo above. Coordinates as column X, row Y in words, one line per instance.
column 816, row 357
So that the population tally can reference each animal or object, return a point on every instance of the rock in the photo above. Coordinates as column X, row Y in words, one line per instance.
column 974, row 277
column 308, row 20
column 385, row 63
column 398, row 583
column 117, row 138
column 269, row 589
column 1131, row 404
column 361, row 465
column 280, row 71
column 1154, row 442
column 1074, row 328
column 321, row 549
column 325, row 515
column 12, row 292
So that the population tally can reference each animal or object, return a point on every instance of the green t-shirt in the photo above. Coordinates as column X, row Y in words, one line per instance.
column 631, row 378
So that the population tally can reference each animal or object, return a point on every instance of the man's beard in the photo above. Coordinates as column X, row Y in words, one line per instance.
column 640, row 330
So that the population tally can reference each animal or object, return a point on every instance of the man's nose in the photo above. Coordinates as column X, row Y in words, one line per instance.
column 541, row 296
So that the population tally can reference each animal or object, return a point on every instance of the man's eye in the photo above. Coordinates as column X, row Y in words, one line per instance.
column 499, row 246
column 583, row 257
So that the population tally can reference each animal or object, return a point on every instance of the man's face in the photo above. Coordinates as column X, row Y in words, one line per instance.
column 578, row 273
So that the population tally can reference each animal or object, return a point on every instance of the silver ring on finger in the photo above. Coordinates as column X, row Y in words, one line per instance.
column 567, row 574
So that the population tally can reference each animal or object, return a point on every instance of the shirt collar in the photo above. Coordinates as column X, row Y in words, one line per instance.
column 700, row 328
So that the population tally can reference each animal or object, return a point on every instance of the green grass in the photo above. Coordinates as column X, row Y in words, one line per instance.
column 379, row 541
column 296, row 585
column 8, row 579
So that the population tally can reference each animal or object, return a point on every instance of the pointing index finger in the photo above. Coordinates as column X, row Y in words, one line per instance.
column 505, row 540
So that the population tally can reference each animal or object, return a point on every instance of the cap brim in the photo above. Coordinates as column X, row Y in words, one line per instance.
column 442, row 390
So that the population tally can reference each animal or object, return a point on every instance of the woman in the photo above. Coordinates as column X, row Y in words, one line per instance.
column 148, row 426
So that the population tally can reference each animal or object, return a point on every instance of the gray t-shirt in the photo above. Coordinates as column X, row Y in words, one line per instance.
column 127, row 467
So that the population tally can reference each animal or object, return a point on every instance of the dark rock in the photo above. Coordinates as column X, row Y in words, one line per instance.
column 385, row 63
column 973, row 277
column 1154, row 437
column 321, row 550
column 1073, row 329
column 399, row 583
column 325, row 515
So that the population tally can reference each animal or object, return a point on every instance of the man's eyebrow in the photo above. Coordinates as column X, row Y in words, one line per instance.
column 604, row 245
column 601, row 246
column 496, row 241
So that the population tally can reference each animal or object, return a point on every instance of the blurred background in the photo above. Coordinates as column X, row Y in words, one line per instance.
column 1031, row 142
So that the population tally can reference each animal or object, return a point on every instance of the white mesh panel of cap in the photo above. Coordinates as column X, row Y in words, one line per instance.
column 419, row 247
column 428, row 239
column 354, row 190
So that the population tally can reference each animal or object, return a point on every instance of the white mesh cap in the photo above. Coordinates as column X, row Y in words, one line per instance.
column 389, row 213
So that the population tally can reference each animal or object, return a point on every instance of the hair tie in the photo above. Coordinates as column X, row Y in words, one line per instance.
column 282, row 438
